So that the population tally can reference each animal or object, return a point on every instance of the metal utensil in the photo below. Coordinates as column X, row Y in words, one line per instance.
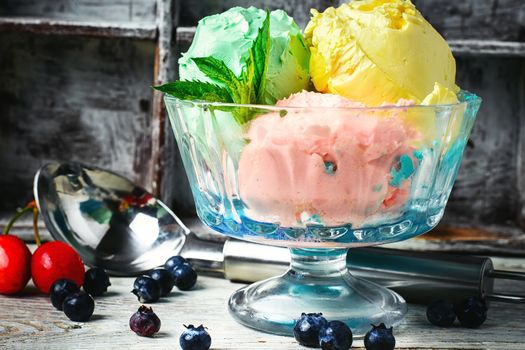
column 121, row 227
column 111, row 222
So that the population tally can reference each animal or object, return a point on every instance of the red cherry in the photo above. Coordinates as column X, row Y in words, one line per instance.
column 15, row 264
column 53, row 261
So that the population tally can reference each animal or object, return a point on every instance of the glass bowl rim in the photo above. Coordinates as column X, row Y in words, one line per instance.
column 466, row 99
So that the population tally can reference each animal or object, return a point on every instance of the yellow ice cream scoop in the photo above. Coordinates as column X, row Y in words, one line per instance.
column 379, row 51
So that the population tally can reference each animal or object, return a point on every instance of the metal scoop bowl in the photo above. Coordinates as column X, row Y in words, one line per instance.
column 106, row 218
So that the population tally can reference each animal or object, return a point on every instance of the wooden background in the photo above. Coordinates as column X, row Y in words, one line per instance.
column 75, row 82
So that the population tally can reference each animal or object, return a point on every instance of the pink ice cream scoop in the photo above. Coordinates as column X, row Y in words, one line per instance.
column 332, row 166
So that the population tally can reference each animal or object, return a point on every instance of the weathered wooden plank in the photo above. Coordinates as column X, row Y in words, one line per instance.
column 487, row 48
column 193, row 11
column 472, row 19
column 87, row 100
column 65, row 27
column 165, row 67
column 30, row 322
column 476, row 19
column 82, row 10
column 485, row 191
column 185, row 35
column 521, row 150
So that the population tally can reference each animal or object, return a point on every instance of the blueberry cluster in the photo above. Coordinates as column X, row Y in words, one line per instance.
column 471, row 312
column 159, row 282
column 79, row 305
column 314, row 331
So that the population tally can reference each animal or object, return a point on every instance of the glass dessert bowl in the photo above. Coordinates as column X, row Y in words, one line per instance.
column 320, row 180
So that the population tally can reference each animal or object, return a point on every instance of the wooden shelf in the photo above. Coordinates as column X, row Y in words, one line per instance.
column 185, row 34
column 487, row 48
column 459, row 47
column 144, row 31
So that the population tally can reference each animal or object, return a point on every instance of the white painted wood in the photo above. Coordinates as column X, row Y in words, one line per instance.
column 30, row 322
column 479, row 47
column 82, row 10
column 136, row 30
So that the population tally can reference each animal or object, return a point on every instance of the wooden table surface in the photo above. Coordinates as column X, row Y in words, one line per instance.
column 30, row 322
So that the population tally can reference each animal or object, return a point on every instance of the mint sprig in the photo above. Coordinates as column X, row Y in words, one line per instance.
column 248, row 88
column 217, row 71
column 196, row 90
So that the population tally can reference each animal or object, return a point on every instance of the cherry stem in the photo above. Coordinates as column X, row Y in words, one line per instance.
column 30, row 207
column 35, row 226
column 17, row 216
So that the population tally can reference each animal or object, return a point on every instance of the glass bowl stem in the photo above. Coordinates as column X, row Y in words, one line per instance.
column 317, row 281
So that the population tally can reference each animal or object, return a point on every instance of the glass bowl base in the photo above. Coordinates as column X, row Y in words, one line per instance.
column 318, row 281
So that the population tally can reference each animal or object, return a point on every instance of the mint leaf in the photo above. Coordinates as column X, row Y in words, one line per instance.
column 217, row 71
column 260, row 51
column 196, row 90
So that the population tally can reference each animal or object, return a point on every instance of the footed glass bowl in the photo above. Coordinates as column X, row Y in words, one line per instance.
column 320, row 181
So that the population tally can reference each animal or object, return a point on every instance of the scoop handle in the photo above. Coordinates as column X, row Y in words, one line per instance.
column 421, row 277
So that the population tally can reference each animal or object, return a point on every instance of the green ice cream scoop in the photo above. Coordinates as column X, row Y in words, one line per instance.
column 228, row 37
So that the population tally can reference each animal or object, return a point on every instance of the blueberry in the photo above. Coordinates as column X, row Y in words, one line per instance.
column 96, row 281
column 79, row 306
column 146, row 289
column 144, row 322
column 174, row 262
column 380, row 338
column 60, row 290
column 164, row 279
column 195, row 338
column 441, row 313
column 307, row 328
column 141, row 281
column 184, row 276
column 335, row 336
column 472, row 312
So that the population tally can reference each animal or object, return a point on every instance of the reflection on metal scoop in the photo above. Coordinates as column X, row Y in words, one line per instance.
column 111, row 222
